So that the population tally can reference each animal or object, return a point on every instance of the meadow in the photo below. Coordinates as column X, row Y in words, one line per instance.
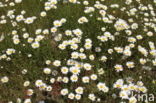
column 77, row 51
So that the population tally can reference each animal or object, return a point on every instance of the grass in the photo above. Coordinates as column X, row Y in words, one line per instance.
column 48, row 51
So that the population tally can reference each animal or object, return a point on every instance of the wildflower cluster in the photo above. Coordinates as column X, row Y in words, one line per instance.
column 77, row 50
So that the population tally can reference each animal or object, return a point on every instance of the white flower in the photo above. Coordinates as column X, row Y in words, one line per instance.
column 47, row 70
column 26, row 83
column 92, row 97
column 38, row 83
column 39, row 38
column 125, row 88
column 75, row 70
column 35, row 45
column 82, row 20
column 52, row 80
column 110, row 51
column 64, row 91
column 57, row 63
column 43, row 13
column 74, row 46
column 81, row 50
column 48, row 62
column 132, row 86
column 30, row 92
column 18, row 1
column 43, row 86
column 118, row 67
column 53, row 2
column 63, row 20
column 57, row 23
column 71, row 95
column 73, row 1
column 38, row 31
column 102, row 12
column 142, row 50
column 45, row 31
column 10, row 51
column 82, row 56
column 78, row 32
column 65, row 80
column 64, row 70
column 27, row 101
column 154, row 62
column 91, row 57
column 150, row 33
column 130, row 64
column 131, row 39
column 143, row 89
column 85, row 79
column 74, row 55
column 124, row 95
column 103, row 58
column 25, row 35
column 127, row 52
column 62, row 46
column 19, row 18
column 30, row 40
column 88, row 41
column 140, row 83
column 118, row 84
column 85, row 2
column 48, row 88
column 4, row 79
column 118, row 49
column 24, row 71
column 19, row 100
column 134, row 26
column 68, row 32
column 101, row 71
column 59, row 79
column 132, row 100
column 78, row 96
column 53, row 29
column 93, row 77
column 88, row 45
column 143, row 61
column 29, row 20
column 87, row 66
column 153, row 53
column 102, row 87
column 74, row 78
column 89, row 9
column 79, row 90
column 105, row 19
column 121, row 25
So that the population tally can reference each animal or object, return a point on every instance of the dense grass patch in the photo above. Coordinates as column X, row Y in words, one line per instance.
column 77, row 51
